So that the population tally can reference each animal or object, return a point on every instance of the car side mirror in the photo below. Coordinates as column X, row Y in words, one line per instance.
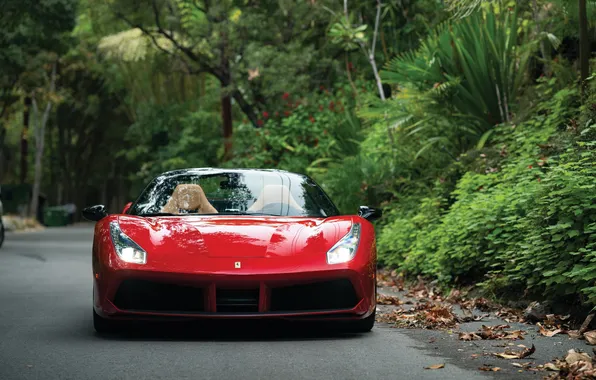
column 95, row 213
column 369, row 213
column 126, row 208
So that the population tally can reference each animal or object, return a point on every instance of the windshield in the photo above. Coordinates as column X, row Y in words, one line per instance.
column 234, row 193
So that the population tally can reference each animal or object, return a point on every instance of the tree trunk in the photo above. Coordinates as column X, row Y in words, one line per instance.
column 226, row 115
column 584, row 45
column 226, row 101
column 2, row 158
column 39, row 144
column 62, row 168
column 37, row 180
column 25, row 141
column 246, row 108
column 371, row 54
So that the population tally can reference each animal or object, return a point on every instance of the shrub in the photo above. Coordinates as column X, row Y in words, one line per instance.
column 526, row 224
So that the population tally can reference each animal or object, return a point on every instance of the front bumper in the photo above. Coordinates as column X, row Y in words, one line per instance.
column 346, row 293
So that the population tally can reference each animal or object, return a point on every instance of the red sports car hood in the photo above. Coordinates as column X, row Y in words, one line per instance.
column 233, row 236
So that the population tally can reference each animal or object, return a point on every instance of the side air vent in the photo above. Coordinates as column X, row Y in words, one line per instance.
column 142, row 295
column 328, row 295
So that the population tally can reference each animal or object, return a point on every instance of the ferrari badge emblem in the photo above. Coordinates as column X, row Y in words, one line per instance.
column 237, row 264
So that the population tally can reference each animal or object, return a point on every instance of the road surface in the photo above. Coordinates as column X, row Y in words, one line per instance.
column 46, row 333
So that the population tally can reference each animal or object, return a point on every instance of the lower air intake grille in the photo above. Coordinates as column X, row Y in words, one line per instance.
column 237, row 301
column 328, row 295
column 141, row 295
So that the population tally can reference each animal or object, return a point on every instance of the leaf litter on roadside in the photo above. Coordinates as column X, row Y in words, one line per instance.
column 428, row 315
column 493, row 333
column 390, row 279
column 575, row 365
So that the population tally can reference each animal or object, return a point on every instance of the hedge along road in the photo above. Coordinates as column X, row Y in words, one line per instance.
column 46, row 333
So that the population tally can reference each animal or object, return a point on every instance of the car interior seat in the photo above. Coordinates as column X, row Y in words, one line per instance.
column 274, row 194
column 187, row 198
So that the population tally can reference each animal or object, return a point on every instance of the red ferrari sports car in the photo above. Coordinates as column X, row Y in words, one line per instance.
column 243, row 243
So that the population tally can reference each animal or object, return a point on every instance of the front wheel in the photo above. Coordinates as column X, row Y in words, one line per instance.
column 103, row 325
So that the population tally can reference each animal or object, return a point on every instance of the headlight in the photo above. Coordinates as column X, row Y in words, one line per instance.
column 126, row 248
column 345, row 249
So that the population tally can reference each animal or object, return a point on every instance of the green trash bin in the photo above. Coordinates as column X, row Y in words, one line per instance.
column 55, row 217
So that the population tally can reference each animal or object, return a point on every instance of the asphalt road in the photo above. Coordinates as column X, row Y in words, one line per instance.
column 46, row 333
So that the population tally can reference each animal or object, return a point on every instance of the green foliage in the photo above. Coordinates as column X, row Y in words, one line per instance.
column 172, row 137
column 29, row 29
column 347, row 36
column 464, row 79
column 305, row 136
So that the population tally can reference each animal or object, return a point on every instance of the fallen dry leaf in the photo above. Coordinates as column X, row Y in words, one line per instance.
column 468, row 336
column 551, row 367
column 574, row 334
column 527, row 352
column 590, row 337
column 488, row 368
column 524, row 366
column 383, row 299
column 548, row 333
column 435, row 366
column 574, row 356
column 505, row 355
column 514, row 335
column 516, row 355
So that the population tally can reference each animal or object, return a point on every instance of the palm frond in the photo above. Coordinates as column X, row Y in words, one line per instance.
column 461, row 81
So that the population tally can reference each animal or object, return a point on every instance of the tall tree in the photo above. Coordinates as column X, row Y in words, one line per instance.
column 40, row 122
column 25, row 140
column 28, row 28
column 584, row 44
column 237, row 43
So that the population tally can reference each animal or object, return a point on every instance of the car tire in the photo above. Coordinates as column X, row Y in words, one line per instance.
column 102, row 325
column 362, row 325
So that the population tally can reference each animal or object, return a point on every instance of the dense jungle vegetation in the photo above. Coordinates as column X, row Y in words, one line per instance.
column 471, row 123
